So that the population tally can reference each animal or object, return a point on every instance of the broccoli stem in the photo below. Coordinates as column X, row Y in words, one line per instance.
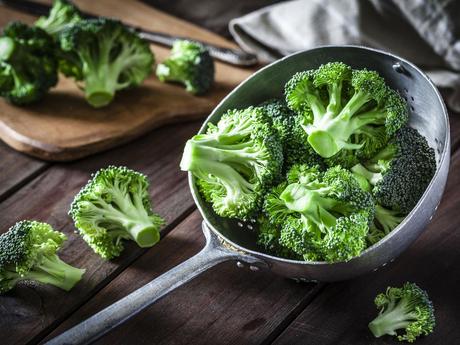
column 100, row 87
column 310, row 204
column 372, row 177
column 391, row 320
column 144, row 233
column 7, row 46
column 52, row 270
column 388, row 219
column 204, row 168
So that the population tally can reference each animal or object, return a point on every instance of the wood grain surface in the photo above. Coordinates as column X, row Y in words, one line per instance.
column 225, row 304
column 64, row 127
column 28, row 314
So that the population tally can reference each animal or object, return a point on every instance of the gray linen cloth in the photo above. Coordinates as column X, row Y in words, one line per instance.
column 426, row 32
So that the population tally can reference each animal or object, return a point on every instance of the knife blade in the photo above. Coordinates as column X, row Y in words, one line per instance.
column 231, row 56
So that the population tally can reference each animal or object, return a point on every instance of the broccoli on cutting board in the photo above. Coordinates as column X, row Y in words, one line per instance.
column 28, row 65
column 189, row 64
column 104, row 56
column 28, row 252
column 63, row 13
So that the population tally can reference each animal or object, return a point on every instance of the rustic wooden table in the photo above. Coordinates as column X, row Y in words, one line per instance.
column 225, row 305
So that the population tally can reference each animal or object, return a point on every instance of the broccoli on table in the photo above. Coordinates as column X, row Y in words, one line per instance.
column 322, row 216
column 28, row 66
column 401, row 171
column 28, row 252
column 293, row 138
column 408, row 309
column 345, row 109
column 235, row 162
column 189, row 64
column 62, row 13
column 115, row 206
column 105, row 56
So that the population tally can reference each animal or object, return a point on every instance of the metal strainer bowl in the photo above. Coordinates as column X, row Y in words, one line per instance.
column 234, row 240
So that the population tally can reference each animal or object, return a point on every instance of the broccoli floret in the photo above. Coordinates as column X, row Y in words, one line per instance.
column 269, row 238
column 28, row 66
column 385, row 221
column 345, row 110
column 105, row 56
column 293, row 138
column 189, row 64
column 235, row 162
column 323, row 216
column 400, row 172
column 28, row 251
column 63, row 13
column 407, row 308
column 115, row 206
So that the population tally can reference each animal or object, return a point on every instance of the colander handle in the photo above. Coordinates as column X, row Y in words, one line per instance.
column 97, row 325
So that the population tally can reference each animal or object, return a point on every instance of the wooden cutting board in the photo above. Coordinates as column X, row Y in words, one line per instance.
column 64, row 127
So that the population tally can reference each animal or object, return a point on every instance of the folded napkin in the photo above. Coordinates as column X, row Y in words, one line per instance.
column 424, row 32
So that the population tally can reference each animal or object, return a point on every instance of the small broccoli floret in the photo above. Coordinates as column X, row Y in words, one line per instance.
column 345, row 110
column 322, row 216
column 105, row 56
column 400, row 172
column 115, row 206
column 189, row 64
column 385, row 221
column 269, row 238
column 28, row 66
column 28, row 251
column 407, row 308
column 235, row 162
column 63, row 13
column 294, row 139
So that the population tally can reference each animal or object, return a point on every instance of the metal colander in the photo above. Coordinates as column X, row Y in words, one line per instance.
column 235, row 240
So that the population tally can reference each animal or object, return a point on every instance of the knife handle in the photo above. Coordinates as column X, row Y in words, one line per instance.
column 231, row 56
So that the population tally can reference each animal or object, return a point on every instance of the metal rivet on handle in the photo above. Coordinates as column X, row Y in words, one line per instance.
column 254, row 268
column 239, row 264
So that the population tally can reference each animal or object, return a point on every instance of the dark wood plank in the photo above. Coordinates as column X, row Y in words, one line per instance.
column 454, row 119
column 341, row 313
column 28, row 314
column 225, row 305
column 16, row 169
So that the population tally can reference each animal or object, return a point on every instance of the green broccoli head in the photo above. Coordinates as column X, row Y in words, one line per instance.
column 407, row 308
column 401, row 171
column 28, row 252
column 28, row 66
column 189, row 64
column 115, row 206
column 268, row 238
column 323, row 216
column 235, row 161
column 288, row 125
column 105, row 56
column 345, row 110
column 385, row 221
column 63, row 13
